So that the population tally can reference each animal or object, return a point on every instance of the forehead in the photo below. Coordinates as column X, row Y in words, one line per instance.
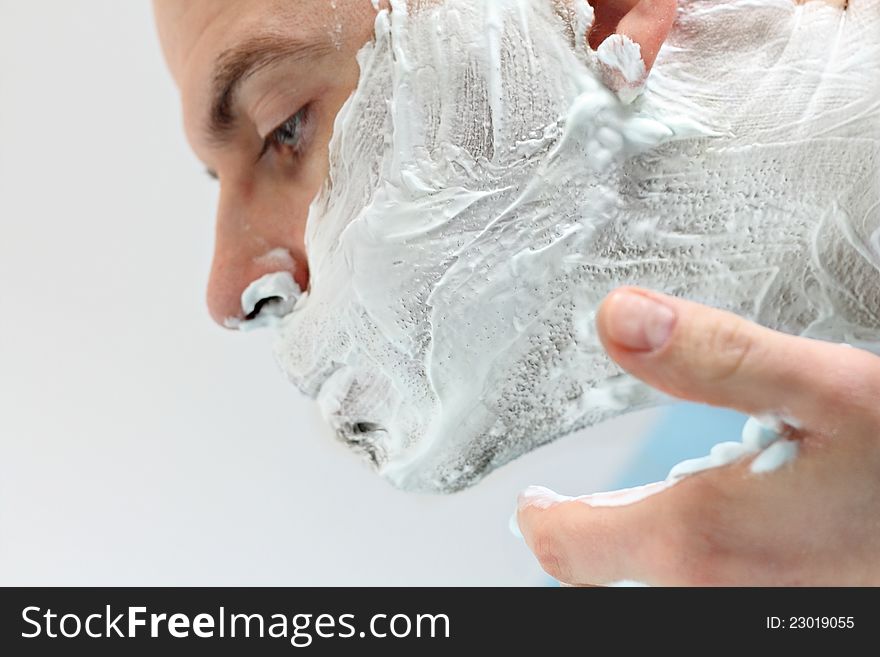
column 196, row 32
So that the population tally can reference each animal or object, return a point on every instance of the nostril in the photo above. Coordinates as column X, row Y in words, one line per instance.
column 262, row 302
column 266, row 300
column 278, row 288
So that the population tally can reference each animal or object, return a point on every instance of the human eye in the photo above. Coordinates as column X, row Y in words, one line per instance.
column 287, row 138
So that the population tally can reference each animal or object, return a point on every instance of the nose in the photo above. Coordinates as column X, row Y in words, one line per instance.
column 259, row 267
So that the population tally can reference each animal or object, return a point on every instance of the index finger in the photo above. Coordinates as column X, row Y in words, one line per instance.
column 711, row 356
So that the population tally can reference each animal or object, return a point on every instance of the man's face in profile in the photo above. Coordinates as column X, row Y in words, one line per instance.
column 261, row 84
column 483, row 190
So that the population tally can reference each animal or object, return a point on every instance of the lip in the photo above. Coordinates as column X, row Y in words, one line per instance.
column 355, row 432
column 361, row 435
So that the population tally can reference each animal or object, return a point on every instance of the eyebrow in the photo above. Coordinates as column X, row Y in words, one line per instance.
column 235, row 65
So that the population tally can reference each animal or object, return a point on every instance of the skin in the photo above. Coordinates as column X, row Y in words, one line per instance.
column 811, row 522
column 263, row 200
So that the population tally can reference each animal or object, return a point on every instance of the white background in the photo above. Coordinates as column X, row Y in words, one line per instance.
column 141, row 444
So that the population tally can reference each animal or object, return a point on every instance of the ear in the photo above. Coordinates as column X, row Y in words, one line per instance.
column 645, row 22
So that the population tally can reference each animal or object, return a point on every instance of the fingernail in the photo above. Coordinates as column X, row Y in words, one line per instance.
column 639, row 322
column 540, row 497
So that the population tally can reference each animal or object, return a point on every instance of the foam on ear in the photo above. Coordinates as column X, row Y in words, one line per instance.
column 627, row 35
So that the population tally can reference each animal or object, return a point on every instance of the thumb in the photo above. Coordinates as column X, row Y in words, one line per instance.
column 706, row 355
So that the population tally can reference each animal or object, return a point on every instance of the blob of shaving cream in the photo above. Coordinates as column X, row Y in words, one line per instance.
column 265, row 301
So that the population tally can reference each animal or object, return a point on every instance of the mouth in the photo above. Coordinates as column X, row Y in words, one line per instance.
column 361, row 435
column 363, row 438
column 365, row 427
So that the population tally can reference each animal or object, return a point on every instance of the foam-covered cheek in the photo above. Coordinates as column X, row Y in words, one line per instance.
column 488, row 188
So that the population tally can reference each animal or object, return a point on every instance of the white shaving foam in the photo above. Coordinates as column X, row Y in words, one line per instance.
column 279, row 294
column 487, row 189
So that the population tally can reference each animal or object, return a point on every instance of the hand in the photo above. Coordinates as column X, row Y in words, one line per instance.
column 813, row 521
column 647, row 22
